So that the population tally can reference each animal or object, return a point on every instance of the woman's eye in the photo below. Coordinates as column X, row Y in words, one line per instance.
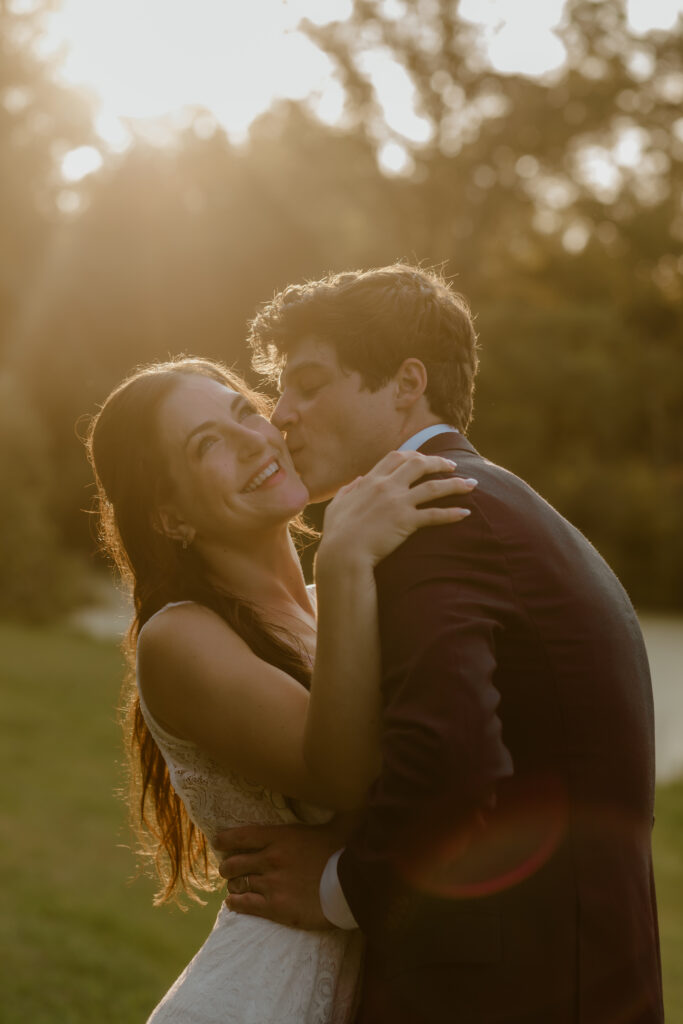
column 205, row 444
column 246, row 410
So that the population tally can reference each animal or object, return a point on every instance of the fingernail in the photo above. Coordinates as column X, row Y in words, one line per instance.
column 471, row 481
column 465, row 511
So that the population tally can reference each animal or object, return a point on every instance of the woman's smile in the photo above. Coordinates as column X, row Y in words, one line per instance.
column 265, row 474
column 230, row 470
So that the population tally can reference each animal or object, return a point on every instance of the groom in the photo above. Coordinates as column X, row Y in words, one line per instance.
column 501, row 868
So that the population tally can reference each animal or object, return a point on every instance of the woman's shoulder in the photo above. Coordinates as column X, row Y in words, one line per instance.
column 183, row 629
column 182, row 654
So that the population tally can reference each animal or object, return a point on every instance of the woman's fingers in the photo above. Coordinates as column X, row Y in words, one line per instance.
column 411, row 466
column 389, row 462
column 374, row 514
column 433, row 490
column 440, row 516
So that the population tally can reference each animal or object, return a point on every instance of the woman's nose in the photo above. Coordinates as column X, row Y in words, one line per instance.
column 249, row 441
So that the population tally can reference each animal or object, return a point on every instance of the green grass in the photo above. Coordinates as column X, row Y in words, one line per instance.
column 80, row 943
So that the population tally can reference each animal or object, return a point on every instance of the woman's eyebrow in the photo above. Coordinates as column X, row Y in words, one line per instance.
column 208, row 424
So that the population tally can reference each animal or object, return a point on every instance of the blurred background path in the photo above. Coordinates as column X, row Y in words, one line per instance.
column 664, row 639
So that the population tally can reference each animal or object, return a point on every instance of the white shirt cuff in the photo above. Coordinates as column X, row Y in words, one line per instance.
column 332, row 899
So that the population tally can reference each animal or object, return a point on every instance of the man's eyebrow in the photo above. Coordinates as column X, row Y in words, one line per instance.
column 207, row 424
column 292, row 371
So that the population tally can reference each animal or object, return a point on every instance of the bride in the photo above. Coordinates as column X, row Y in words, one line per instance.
column 229, row 716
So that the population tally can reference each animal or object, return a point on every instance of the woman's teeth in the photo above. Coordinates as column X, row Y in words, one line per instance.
column 262, row 477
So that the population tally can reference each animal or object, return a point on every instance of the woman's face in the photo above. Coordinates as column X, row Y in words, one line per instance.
column 230, row 469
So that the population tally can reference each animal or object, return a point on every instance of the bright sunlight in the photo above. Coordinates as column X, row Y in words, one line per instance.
column 150, row 59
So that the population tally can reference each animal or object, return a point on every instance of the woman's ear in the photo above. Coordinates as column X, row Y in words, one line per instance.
column 411, row 383
column 169, row 524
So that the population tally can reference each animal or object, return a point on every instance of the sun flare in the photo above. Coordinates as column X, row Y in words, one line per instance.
column 150, row 59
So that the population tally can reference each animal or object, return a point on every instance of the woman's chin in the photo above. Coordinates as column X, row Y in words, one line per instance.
column 290, row 504
column 295, row 498
column 305, row 498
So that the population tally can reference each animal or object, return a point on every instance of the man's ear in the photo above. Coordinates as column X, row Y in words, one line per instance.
column 411, row 383
column 170, row 524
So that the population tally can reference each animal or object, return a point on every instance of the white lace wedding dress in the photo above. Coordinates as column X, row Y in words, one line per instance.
column 250, row 970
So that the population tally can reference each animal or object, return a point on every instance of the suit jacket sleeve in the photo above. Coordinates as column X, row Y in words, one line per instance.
column 443, row 597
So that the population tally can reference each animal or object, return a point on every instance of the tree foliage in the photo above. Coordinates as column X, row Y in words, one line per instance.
column 555, row 203
column 40, row 578
column 39, row 123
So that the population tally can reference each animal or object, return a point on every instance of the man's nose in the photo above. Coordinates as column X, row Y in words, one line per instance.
column 284, row 414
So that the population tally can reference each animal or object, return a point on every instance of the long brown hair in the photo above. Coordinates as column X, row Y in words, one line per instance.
column 125, row 452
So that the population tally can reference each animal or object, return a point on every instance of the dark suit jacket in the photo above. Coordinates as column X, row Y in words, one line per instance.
column 502, row 869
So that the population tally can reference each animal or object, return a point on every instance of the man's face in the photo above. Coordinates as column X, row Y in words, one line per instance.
column 335, row 428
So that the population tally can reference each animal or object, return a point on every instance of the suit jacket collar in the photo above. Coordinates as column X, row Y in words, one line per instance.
column 449, row 441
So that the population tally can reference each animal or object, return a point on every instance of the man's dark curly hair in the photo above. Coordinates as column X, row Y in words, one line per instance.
column 375, row 319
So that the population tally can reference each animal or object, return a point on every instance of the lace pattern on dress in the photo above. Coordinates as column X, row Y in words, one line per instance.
column 249, row 969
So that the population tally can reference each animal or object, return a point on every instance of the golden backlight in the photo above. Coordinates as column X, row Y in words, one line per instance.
column 148, row 59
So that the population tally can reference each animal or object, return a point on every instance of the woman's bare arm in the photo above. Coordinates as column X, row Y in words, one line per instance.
column 202, row 682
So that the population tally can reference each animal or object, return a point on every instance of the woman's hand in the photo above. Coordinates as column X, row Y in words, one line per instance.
column 374, row 514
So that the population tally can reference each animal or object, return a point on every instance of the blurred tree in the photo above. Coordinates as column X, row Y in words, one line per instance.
column 569, row 398
column 39, row 579
column 555, row 203
column 39, row 123
column 514, row 159
column 558, row 202
column 174, row 248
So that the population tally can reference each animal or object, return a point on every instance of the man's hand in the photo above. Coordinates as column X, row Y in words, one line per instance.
column 274, row 871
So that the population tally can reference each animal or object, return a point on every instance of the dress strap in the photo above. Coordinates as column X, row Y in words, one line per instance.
column 170, row 604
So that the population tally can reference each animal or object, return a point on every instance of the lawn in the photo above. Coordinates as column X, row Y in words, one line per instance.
column 80, row 942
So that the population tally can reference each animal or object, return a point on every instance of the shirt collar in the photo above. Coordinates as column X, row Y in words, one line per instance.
column 417, row 440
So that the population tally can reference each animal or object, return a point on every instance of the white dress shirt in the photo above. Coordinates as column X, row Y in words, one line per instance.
column 332, row 899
